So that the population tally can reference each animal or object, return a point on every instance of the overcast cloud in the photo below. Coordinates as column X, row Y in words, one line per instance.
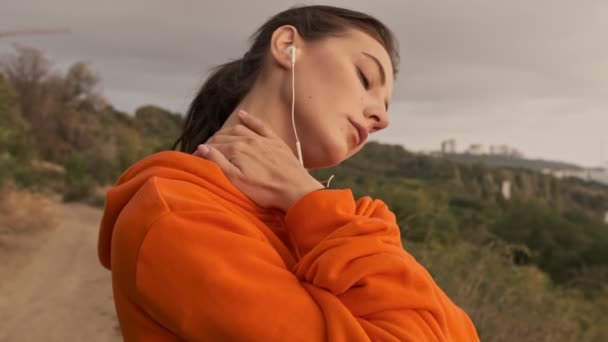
column 532, row 74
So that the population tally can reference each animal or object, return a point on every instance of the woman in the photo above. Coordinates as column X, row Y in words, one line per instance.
column 235, row 241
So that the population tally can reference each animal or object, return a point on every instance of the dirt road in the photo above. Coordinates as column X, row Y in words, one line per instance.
column 60, row 292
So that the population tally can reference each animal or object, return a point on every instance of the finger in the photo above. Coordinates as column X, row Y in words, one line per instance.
column 238, row 130
column 213, row 154
column 256, row 124
column 228, row 138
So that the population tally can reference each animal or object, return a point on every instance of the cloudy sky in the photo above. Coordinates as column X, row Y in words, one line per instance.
column 532, row 74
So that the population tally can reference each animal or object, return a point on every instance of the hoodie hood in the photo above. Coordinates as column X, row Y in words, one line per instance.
column 172, row 165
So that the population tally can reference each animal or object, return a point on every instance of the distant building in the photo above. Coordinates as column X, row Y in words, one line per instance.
column 499, row 149
column 448, row 146
column 506, row 190
column 504, row 150
column 476, row 149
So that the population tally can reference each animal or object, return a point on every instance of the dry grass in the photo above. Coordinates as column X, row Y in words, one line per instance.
column 48, row 166
column 26, row 220
column 25, row 212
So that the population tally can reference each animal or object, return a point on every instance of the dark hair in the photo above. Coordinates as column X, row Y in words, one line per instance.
column 230, row 82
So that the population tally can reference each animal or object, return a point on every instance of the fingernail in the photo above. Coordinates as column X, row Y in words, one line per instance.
column 243, row 113
column 203, row 149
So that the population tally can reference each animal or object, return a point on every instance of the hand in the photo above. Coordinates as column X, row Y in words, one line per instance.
column 259, row 163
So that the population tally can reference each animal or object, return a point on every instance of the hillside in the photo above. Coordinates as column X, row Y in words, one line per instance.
column 557, row 224
column 510, row 162
column 510, row 263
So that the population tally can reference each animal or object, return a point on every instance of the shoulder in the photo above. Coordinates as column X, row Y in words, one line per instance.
column 159, row 202
column 161, row 195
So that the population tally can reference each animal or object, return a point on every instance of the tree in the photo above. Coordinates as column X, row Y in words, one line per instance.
column 62, row 110
column 16, row 143
column 80, row 89
column 27, row 71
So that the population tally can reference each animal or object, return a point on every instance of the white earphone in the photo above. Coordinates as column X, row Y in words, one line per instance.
column 291, row 50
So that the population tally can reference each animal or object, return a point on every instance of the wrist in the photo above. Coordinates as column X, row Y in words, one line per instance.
column 297, row 194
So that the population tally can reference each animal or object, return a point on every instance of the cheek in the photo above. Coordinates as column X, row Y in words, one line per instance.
column 330, row 98
column 326, row 98
column 331, row 78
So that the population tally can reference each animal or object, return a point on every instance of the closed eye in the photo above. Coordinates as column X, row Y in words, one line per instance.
column 364, row 79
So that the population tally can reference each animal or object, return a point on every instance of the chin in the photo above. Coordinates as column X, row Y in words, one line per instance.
column 328, row 157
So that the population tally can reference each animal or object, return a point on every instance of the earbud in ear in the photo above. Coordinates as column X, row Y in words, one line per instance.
column 291, row 50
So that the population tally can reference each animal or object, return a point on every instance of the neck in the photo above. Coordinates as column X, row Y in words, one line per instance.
column 266, row 102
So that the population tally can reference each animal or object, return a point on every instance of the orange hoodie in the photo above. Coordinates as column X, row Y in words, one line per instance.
column 193, row 258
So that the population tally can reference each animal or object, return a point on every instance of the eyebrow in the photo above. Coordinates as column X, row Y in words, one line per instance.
column 380, row 69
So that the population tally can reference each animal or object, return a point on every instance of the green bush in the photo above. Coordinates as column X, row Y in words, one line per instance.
column 79, row 185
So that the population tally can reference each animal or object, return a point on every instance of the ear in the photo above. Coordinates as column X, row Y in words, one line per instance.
column 282, row 38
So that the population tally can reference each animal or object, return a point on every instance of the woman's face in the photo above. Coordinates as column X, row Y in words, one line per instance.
column 341, row 82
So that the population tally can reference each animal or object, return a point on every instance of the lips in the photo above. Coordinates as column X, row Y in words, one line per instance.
column 362, row 132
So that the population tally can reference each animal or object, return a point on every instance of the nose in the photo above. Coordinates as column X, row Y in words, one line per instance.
column 376, row 118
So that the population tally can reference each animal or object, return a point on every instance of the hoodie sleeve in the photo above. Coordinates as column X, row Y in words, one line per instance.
column 211, row 276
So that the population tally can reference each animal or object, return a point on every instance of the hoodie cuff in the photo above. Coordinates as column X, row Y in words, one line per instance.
column 316, row 215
